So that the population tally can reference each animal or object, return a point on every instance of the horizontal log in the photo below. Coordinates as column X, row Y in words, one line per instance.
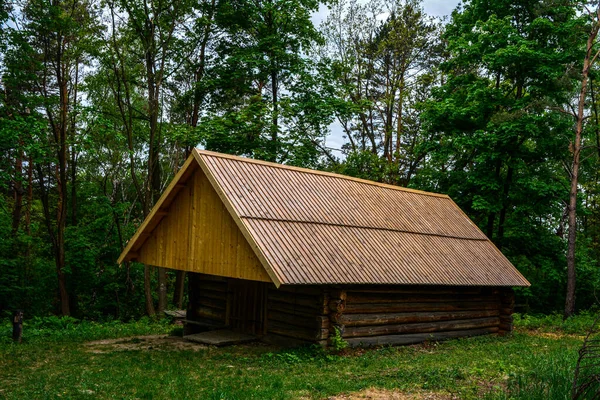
column 505, row 327
column 337, row 306
column 337, row 294
column 307, row 290
column 363, row 298
column 420, row 289
column 417, row 338
column 214, row 278
column 296, row 299
column 287, row 342
column 309, row 322
column 219, row 304
column 294, row 309
column 506, row 311
column 407, row 318
column 212, row 294
column 357, row 308
column 212, row 286
column 284, row 329
column 208, row 312
column 205, row 323
column 422, row 327
column 506, row 318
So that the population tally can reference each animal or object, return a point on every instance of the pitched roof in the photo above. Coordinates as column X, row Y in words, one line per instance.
column 313, row 227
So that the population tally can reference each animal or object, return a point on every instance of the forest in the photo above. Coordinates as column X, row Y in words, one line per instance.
column 495, row 105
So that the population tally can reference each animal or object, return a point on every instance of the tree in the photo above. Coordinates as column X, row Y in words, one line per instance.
column 385, row 58
column 45, row 59
column 151, row 31
column 264, row 87
column 498, row 141
column 575, row 146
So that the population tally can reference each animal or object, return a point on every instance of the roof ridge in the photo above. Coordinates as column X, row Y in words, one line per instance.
column 319, row 172
column 371, row 227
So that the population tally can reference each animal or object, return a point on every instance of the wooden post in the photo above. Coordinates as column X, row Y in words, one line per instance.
column 18, row 326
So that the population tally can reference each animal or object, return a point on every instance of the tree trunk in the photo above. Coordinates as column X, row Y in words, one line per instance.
column 503, row 211
column 148, row 292
column 179, row 289
column 576, row 149
column 61, row 186
column 18, row 190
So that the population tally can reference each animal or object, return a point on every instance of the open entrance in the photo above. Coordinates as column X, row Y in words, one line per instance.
column 247, row 306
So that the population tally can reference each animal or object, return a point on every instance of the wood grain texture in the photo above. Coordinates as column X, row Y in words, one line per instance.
column 297, row 226
column 199, row 235
column 323, row 228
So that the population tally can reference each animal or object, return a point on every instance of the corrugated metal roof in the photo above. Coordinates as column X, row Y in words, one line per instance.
column 314, row 227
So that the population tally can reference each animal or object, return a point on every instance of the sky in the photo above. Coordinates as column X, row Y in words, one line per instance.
column 434, row 8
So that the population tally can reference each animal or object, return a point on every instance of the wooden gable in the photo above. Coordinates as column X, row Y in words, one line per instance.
column 198, row 234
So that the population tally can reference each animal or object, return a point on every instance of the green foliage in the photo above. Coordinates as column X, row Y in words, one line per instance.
column 500, row 145
column 579, row 324
column 336, row 341
column 38, row 331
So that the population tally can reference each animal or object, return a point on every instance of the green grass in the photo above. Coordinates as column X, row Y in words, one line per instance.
column 525, row 365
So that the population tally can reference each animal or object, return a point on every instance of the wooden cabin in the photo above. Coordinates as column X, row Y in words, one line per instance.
column 285, row 252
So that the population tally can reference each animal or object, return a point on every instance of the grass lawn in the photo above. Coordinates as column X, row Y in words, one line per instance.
column 530, row 364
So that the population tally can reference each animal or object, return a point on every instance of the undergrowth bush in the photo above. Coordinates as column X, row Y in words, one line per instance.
column 57, row 329
column 578, row 324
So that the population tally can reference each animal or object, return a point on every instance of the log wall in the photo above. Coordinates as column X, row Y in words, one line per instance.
column 364, row 315
column 392, row 315
column 207, row 306
column 298, row 312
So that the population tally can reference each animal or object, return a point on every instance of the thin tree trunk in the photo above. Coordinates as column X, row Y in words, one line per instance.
column 61, row 186
column 576, row 148
column 503, row 211
column 179, row 289
column 18, row 190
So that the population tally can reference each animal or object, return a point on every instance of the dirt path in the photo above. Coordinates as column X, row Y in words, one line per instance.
column 151, row 342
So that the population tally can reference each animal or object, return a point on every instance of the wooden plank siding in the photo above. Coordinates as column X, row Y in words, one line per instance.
column 198, row 234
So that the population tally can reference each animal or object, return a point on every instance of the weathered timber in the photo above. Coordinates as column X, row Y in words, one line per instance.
column 287, row 342
column 507, row 306
column 220, row 304
column 354, row 297
column 293, row 309
column 312, row 322
column 212, row 286
column 297, row 332
column 213, row 278
column 417, row 337
column 315, row 302
column 425, row 327
column 419, row 289
column 406, row 318
column 337, row 306
column 208, row 312
column 505, row 328
column 309, row 290
column 354, row 308
column 217, row 295
column 506, row 311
